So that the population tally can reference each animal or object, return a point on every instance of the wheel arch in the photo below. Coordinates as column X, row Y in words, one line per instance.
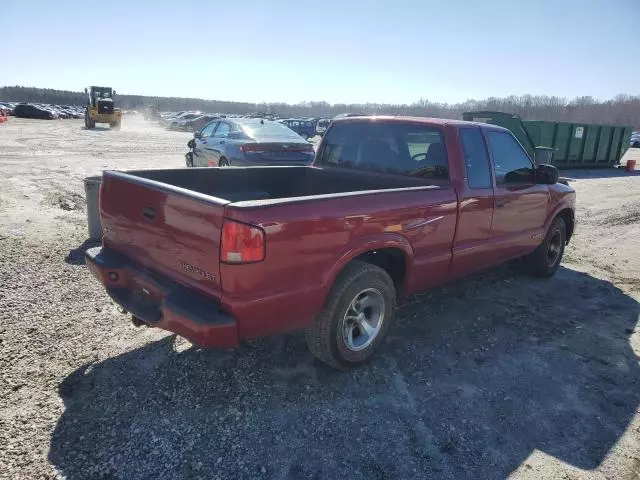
column 566, row 211
column 568, row 215
column 392, row 253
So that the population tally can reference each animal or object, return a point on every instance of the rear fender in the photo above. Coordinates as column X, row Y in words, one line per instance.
column 364, row 245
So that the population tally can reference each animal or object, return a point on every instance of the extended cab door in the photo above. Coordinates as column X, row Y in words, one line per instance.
column 472, row 250
column 202, row 155
column 520, row 204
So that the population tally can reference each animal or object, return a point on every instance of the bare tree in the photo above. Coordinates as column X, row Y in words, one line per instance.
column 621, row 110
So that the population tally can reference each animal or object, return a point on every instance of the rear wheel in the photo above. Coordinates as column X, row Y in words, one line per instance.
column 357, row 316
column 545, row 260
column 189, row 159
column 116, row 125
column 223, row 162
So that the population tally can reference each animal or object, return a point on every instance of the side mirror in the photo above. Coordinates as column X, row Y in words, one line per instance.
column 546, row 174
column 197, row 135
column 114, row 92
column 543, row 155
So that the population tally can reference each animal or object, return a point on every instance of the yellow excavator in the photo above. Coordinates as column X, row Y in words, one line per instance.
column 101, row 108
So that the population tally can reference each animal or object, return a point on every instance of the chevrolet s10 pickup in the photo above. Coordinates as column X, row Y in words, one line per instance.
column 389, row 206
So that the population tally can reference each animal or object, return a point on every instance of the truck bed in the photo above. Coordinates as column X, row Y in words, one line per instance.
column 236, row 184
column 170, row 221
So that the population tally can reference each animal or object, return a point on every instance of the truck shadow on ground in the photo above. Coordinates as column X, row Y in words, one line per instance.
column 475, row 376
column 95, row 129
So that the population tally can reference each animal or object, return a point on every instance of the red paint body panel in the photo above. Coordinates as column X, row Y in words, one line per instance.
column 518, row 225
column 443, row 231
column 308, row 244
column 471, row 249
column 185, row 232
column 193, row 316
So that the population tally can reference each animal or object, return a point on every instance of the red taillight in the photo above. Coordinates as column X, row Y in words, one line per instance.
column 251, row 147
column 241, row 243
column 257, row 147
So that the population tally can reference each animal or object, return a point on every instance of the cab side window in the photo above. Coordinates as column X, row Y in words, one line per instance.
column 510, row 162
column 208, row 129
column 223, row 130
column 476, row 159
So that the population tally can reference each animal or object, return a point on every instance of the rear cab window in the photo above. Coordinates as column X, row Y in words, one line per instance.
column 410, row 149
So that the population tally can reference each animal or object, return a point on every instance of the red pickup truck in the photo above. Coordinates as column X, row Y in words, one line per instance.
column 390, row 206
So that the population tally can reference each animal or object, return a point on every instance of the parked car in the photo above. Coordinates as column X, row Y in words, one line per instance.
column 59, row 112
column 168, row 117
column 635, row 140
column 69, row 111
column 26, row 110
column 390, row 206
column 248, row 141
column 322, row 126
column 196, row 124
column 304, row 128
column 175, row 122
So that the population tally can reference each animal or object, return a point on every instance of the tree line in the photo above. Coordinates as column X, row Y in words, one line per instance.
column 621, row 110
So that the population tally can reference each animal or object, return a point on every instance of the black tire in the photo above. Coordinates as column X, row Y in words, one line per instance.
column 116, row 125
column 223, row 162
column 88, row 123
column 189, row 159
column 326, row 337
column 636, row 145
column 545, row 260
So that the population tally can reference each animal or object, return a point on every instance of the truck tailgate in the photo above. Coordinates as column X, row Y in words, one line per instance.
column 166, row 229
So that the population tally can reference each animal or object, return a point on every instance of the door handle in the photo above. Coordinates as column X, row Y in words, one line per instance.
column 149, row 213
column 500, row 203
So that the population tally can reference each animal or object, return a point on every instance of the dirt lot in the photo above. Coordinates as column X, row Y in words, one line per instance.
column 488, row 377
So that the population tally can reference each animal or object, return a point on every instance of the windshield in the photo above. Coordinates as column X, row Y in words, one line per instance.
column 100, row 93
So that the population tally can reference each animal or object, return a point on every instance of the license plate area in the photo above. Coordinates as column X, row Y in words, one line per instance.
column 145, row 298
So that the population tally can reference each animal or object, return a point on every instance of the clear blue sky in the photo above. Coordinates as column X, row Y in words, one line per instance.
column 391, row 51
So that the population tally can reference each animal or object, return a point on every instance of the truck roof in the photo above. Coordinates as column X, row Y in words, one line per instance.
column 421, row 120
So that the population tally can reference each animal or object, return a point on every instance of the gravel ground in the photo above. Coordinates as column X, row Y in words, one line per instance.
column 493, row 376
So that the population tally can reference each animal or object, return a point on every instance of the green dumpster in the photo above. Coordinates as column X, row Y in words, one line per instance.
column 573, row 144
